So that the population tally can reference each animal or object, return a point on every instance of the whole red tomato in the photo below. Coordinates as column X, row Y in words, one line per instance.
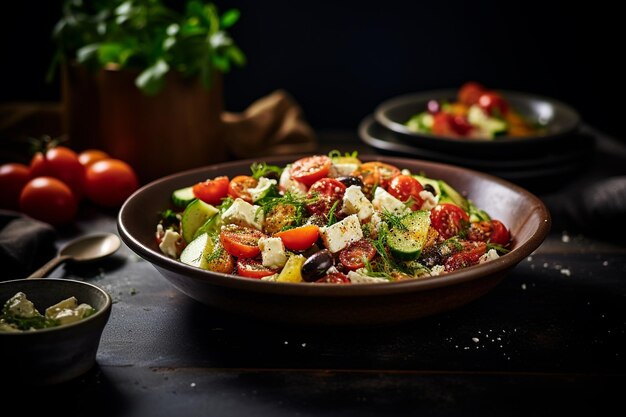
column 13, row 177
column 61, row 163
column 48, row 199
column 109, row 182
column 90, row 156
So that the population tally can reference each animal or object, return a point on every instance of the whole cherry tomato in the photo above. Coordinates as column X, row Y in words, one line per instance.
column 405, row 187
column 460, row 125
column 13, row 177
column 61, row 163
column 500, row 234
column 447, row 219
column 48, row 199
column 212, row 191
column 110, row 182
column 310, row 169
column 470, row 92
column 90, row 156
column 493, row 104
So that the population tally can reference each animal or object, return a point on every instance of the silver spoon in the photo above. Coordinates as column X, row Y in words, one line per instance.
column 83, row 249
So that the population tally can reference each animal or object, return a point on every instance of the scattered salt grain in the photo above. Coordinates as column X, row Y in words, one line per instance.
column 565, row 237
column 605, row 263
column 523, row 286
column 304, row 345
column 566, row 272
column 475, row 339
column 545, row 264
column 529, row 259
column 192, row 385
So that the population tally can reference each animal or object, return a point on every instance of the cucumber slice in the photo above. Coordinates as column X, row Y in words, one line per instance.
column 407, row 243
column 450, row 195
column 211, row 226
column 195, row 252
column 183, row 196
column 194, row 216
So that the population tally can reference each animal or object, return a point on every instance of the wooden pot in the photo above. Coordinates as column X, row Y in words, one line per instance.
column 178, row 129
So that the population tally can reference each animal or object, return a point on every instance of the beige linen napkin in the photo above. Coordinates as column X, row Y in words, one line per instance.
column 272, row 125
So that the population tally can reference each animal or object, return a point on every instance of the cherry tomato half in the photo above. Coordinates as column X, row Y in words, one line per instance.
column 310, row 169
column 493, row 104
column 334, row 278
column 377, row 173
column 325, row 193
column 238, row 187
column 447, row 219
column 470, row 92
column 357, row 254
column 61, row 163
column 251, row 268
column 241, row 241
column 110, row 182
column 13, row 177
column 500, row 234
column 48, row 199
column 212, row 191
column 405, row 187
column 90, row 156
column 299, row 238
column 468, row 256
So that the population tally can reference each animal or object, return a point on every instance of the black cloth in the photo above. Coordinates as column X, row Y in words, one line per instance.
column 25, row 244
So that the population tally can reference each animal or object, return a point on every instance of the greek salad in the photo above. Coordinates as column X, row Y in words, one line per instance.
column 330, row 219
column 477, row 113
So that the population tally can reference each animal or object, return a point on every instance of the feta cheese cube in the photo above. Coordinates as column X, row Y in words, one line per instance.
column 261, row 189
column 355, row 202
column 384, row 201
column 430, row 201
column 489, row 256
column 339, row 235
column 244, row 214
column 272, row 252
column 168, row 243
column 357, row 278
column 437, row 270
column 342, row 169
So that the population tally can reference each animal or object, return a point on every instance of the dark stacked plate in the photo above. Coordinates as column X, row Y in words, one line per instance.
column 541, row 160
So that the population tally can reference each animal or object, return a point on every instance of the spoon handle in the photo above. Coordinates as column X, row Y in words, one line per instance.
column 48, row 267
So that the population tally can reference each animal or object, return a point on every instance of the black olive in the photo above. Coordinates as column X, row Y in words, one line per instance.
column 350, row 180
column 430, row 189
column 316, row 265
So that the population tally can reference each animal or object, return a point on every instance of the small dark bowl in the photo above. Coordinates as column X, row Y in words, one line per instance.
column 560, row 120
column 56, row 354
column 325, row 304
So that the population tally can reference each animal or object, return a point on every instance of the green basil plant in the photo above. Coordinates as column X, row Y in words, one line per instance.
column 148, row 36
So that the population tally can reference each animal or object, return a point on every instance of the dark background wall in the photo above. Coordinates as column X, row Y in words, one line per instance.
column 339, row 59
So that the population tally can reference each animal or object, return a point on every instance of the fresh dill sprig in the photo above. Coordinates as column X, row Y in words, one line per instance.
column 332, row 219
column 394, row 220
column 498, row 248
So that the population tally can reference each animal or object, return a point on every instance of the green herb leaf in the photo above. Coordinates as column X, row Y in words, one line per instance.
column 229, row 18
column 152, row 79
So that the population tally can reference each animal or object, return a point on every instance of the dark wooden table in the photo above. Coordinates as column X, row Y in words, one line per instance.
column 549, row 340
